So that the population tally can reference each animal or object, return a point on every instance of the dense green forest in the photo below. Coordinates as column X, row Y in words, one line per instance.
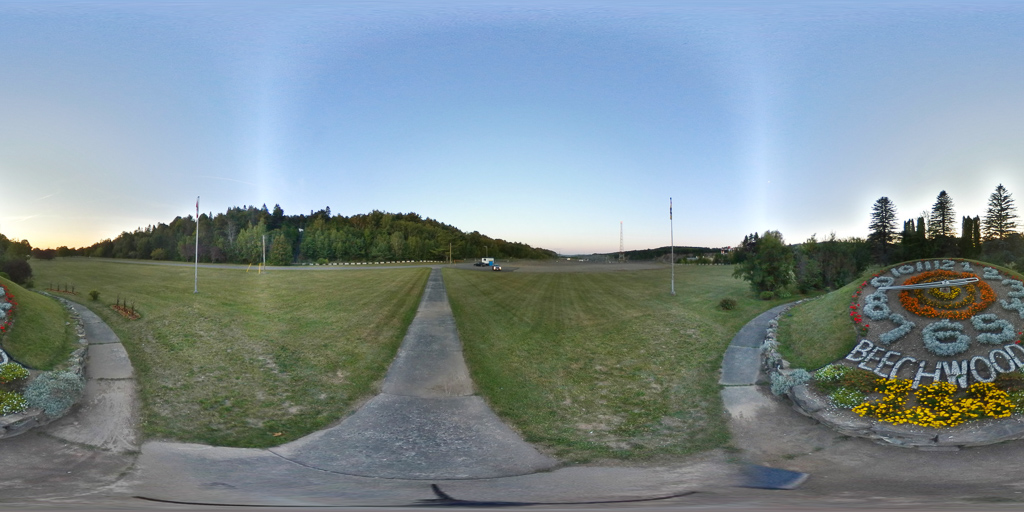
column 237, row 236
column 683, row 254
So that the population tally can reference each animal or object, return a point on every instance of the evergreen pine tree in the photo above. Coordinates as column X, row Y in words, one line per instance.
column 1000, row 218
column 941, row 227
column 976, row 237
column 940, row 224
column 883, row 229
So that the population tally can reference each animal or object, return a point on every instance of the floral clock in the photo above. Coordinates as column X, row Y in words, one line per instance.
column 966, row 322
column 938, row 334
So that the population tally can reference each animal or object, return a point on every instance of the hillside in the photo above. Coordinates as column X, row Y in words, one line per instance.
column 237, row 236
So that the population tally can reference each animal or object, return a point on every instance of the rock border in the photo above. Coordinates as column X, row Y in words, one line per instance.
column 19, row 423
column 817, row 407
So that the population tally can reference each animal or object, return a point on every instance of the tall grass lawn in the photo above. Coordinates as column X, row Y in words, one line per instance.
column 603, row 365
column 252, row 360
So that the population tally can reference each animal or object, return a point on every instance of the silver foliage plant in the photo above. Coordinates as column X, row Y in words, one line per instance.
column 54, row 392
column 782, row 383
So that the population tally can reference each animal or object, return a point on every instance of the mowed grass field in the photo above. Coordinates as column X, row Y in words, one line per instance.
column 252, row 360
column 603, row 365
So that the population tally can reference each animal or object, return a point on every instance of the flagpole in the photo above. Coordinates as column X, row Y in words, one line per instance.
column 672, row 241
column 196, row 290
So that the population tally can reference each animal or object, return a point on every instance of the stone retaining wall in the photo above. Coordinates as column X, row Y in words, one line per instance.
column 19, row 423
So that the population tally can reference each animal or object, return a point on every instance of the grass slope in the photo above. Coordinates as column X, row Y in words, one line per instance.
column 41, row 336
column 252, row 360
column 598, row 365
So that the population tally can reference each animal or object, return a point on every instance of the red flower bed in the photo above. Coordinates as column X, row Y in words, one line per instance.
column 127, row 312
column 6, row 325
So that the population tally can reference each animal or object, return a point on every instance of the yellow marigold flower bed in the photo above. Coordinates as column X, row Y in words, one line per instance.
column 936, row 404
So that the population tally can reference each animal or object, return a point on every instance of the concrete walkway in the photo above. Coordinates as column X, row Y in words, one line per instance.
column 741, row 367
column 426, row 423
column 89, row 450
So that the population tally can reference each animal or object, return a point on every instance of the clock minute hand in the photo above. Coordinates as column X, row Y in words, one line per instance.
column 934, row 284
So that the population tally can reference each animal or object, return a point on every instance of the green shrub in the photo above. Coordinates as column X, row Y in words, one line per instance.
column 1017, row 399
column 836, row 376
column 5, row 276
column 54, row 392
column 94, row 295
column 19, row 270
column 10, row 372
column 831, row 372
column 727, row 304
column 11, row 402
column 781, row 384
column 767, row 295
column 861, row 380
column 846, row 398
column 1013, row 381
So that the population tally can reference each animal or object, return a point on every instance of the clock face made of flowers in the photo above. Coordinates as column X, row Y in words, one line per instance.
column 939, row 321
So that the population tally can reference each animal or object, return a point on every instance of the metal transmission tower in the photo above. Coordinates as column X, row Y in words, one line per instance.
column 622, row 248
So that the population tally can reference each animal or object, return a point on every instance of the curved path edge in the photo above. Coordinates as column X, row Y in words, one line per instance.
column 85, row 455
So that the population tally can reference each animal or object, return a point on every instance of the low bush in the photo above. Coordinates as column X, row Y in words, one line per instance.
column 767, row 295
column 11, row 402
column 94, row 295
column 10, row 372
column 54, row 392
column 831, row 372
column 781, row 384
column 727, row 304
column 833, row 377
column 846, row 398
column 18, row 269
column 1013, row 381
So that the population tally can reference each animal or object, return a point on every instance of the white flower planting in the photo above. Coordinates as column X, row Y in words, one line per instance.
column 903, row 328
column 876, row 306
column 995, row 331
column 881, row 281
column 945, row 338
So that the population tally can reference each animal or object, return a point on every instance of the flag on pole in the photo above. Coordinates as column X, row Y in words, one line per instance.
column 196, row 288
column 670, row 208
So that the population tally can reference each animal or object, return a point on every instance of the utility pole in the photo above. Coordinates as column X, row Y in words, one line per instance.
column 622, row 247
column 196, row 290
column 672, row 250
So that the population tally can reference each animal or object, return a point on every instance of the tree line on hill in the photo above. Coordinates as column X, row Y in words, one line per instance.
column 683, row 254
column 773, row 268
column 240, row 235
column 993, row 238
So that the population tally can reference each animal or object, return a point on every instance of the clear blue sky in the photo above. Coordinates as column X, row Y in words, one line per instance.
column 545, row 122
